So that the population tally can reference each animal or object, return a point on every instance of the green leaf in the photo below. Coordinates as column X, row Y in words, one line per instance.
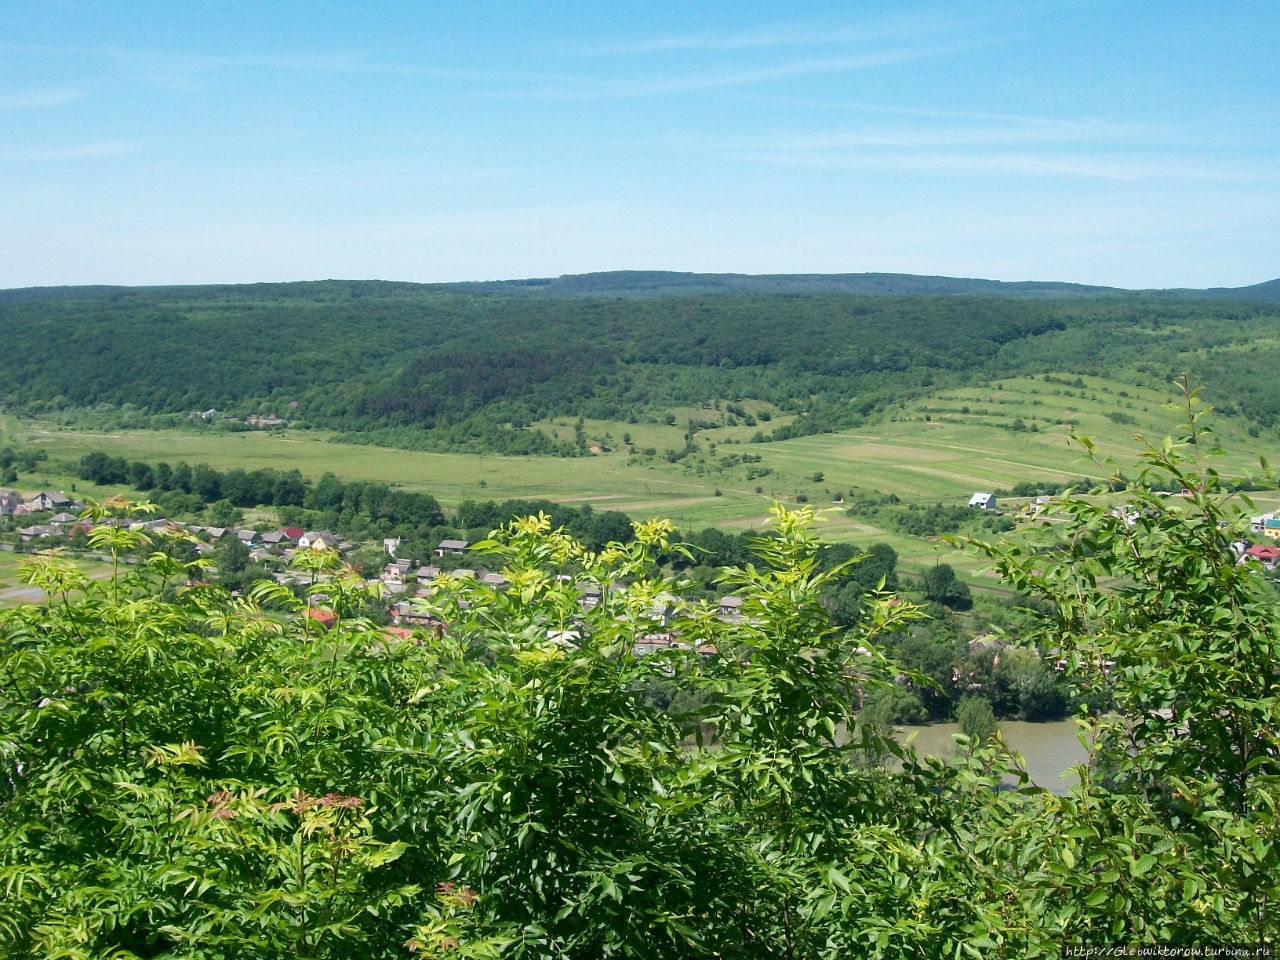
column 1142, row 865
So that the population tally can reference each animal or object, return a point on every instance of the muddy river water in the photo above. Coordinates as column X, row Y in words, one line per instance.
column 1049, row 749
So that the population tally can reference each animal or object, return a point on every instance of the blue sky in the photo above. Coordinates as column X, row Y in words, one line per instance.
column 1134, row 144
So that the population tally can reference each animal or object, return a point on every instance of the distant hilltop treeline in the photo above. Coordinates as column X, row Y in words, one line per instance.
column 482, row 367
column 669, row 283
column 662, row 283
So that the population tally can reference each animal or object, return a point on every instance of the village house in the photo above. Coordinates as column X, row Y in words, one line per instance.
column 589, row 595
column 407, row 612
column 396, row 572
column 399, row 634
column 50, row 500
column 455, row 547
column 652, row 643
column 731, row 609
column 321, row 615
column 39, row 531
column 318, row 540
column 159, row 524
column 983, row 501
column 986, row 642
column 1265, row 554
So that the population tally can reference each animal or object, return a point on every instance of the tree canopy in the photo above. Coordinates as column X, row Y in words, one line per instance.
column 191, row 774
column 471, row 368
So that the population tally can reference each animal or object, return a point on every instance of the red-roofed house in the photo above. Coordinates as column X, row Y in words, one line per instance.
column 322, row 616
column 1266, row 555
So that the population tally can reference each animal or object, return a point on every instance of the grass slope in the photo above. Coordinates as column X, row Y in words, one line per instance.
column 938, row 449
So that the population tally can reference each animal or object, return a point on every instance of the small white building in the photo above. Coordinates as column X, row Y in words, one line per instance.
column 318, row 540
column 983, row 501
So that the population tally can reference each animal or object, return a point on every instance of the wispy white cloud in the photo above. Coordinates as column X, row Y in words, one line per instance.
column 900, row 110
column 961, row 135
column 83, row 151
column 617, row 88
column 162, row 62
column 910, row 139
column 180, row 70
column 39, row 99
column 778, row 36
column 1126, row 167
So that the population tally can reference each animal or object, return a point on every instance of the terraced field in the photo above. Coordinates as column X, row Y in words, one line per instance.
column 938, row 449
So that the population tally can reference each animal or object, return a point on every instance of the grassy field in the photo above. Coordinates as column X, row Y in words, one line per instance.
column 939, row 449
column 8, row 569
column 13, row 591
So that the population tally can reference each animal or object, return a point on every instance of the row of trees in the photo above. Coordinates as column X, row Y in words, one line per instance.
column 242, row 488
column 349, row 505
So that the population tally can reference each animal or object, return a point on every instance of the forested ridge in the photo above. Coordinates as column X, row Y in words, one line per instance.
column 471, row 366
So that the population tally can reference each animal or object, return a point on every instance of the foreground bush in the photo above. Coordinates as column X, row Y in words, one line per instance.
column 203, row 778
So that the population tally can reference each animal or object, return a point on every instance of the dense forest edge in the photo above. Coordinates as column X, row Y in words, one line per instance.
column 477, row 367
column 188, row 773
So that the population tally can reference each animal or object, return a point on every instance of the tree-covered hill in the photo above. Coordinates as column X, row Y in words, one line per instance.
column 471, row 366
column 644, row 284
column 664, row 283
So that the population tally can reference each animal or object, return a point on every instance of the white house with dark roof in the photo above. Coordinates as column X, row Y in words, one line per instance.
column 39, row 531
column 731, row 608
column 318, row 540
column 50, row 500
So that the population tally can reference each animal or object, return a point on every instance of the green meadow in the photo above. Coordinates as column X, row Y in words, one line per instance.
column 13, row 591
column 939, row 448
